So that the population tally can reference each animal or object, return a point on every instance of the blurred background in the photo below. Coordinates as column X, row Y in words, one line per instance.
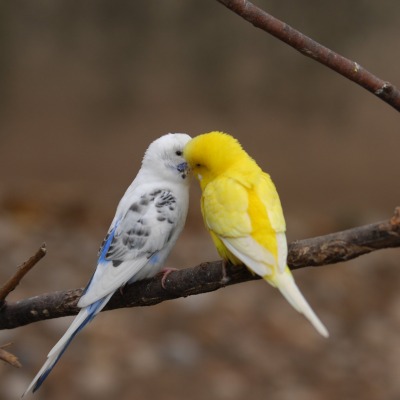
column 86, row 86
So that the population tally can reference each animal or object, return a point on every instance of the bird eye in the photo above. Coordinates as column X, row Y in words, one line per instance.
column 198, row 165
column 178, row 153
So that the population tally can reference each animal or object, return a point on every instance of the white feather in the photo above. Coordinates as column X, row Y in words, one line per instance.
column 147, row 223
column 61, row 345
column 282, row 250
column 112, row 279
column 251, row 253
column 287, row 286
column 263, row 263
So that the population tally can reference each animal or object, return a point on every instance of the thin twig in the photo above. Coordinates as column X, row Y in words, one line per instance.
column 310, row 48
column 8, row 357
column 210, row 276
column 22, row 270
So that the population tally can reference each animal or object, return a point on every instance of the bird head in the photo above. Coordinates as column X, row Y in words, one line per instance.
column 212, row 154
column 165, row 157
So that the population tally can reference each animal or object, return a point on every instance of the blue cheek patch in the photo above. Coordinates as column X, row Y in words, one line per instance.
column 182, row 167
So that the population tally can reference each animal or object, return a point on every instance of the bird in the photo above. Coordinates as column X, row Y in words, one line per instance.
column 243, row 214
column 148, row 220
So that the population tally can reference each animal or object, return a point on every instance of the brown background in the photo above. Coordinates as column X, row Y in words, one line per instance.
column 86, row 86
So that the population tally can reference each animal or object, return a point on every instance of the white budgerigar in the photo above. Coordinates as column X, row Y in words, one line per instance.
column 147, row 223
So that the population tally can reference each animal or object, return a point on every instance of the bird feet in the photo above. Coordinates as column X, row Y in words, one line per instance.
column 225, row 278
column 166, row 271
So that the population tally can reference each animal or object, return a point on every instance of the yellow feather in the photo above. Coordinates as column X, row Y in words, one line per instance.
column 243, row 213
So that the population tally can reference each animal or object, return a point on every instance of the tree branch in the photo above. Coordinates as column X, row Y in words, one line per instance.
column 210, row 276
column 8, row 357
column 22, row 270
column 310, row 48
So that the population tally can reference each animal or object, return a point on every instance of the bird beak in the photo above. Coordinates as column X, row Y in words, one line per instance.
column 183, row 167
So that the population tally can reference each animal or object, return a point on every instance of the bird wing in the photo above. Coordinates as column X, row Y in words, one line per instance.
column 269, row 197
column 225, row 207
column 134, row 242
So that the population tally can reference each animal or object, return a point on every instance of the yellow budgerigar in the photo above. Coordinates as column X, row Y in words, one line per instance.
column 243, row 213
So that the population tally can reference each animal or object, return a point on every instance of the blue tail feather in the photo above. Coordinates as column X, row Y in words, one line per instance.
column 92, row 310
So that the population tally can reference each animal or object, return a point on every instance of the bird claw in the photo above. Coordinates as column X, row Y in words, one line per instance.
column 122, row 290
column 166, row 272
column 225, row 278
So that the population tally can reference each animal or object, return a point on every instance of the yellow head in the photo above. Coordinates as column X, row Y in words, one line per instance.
column 212, row 154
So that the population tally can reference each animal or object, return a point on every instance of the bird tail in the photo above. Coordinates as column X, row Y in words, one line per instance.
column 80, row 321
column 287, row 286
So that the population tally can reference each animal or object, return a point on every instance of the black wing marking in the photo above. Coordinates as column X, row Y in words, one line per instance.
column 146, row 227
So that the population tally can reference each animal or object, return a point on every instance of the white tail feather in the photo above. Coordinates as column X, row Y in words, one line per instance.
column 83, row 317
column 58, row 348
column 287, row 286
